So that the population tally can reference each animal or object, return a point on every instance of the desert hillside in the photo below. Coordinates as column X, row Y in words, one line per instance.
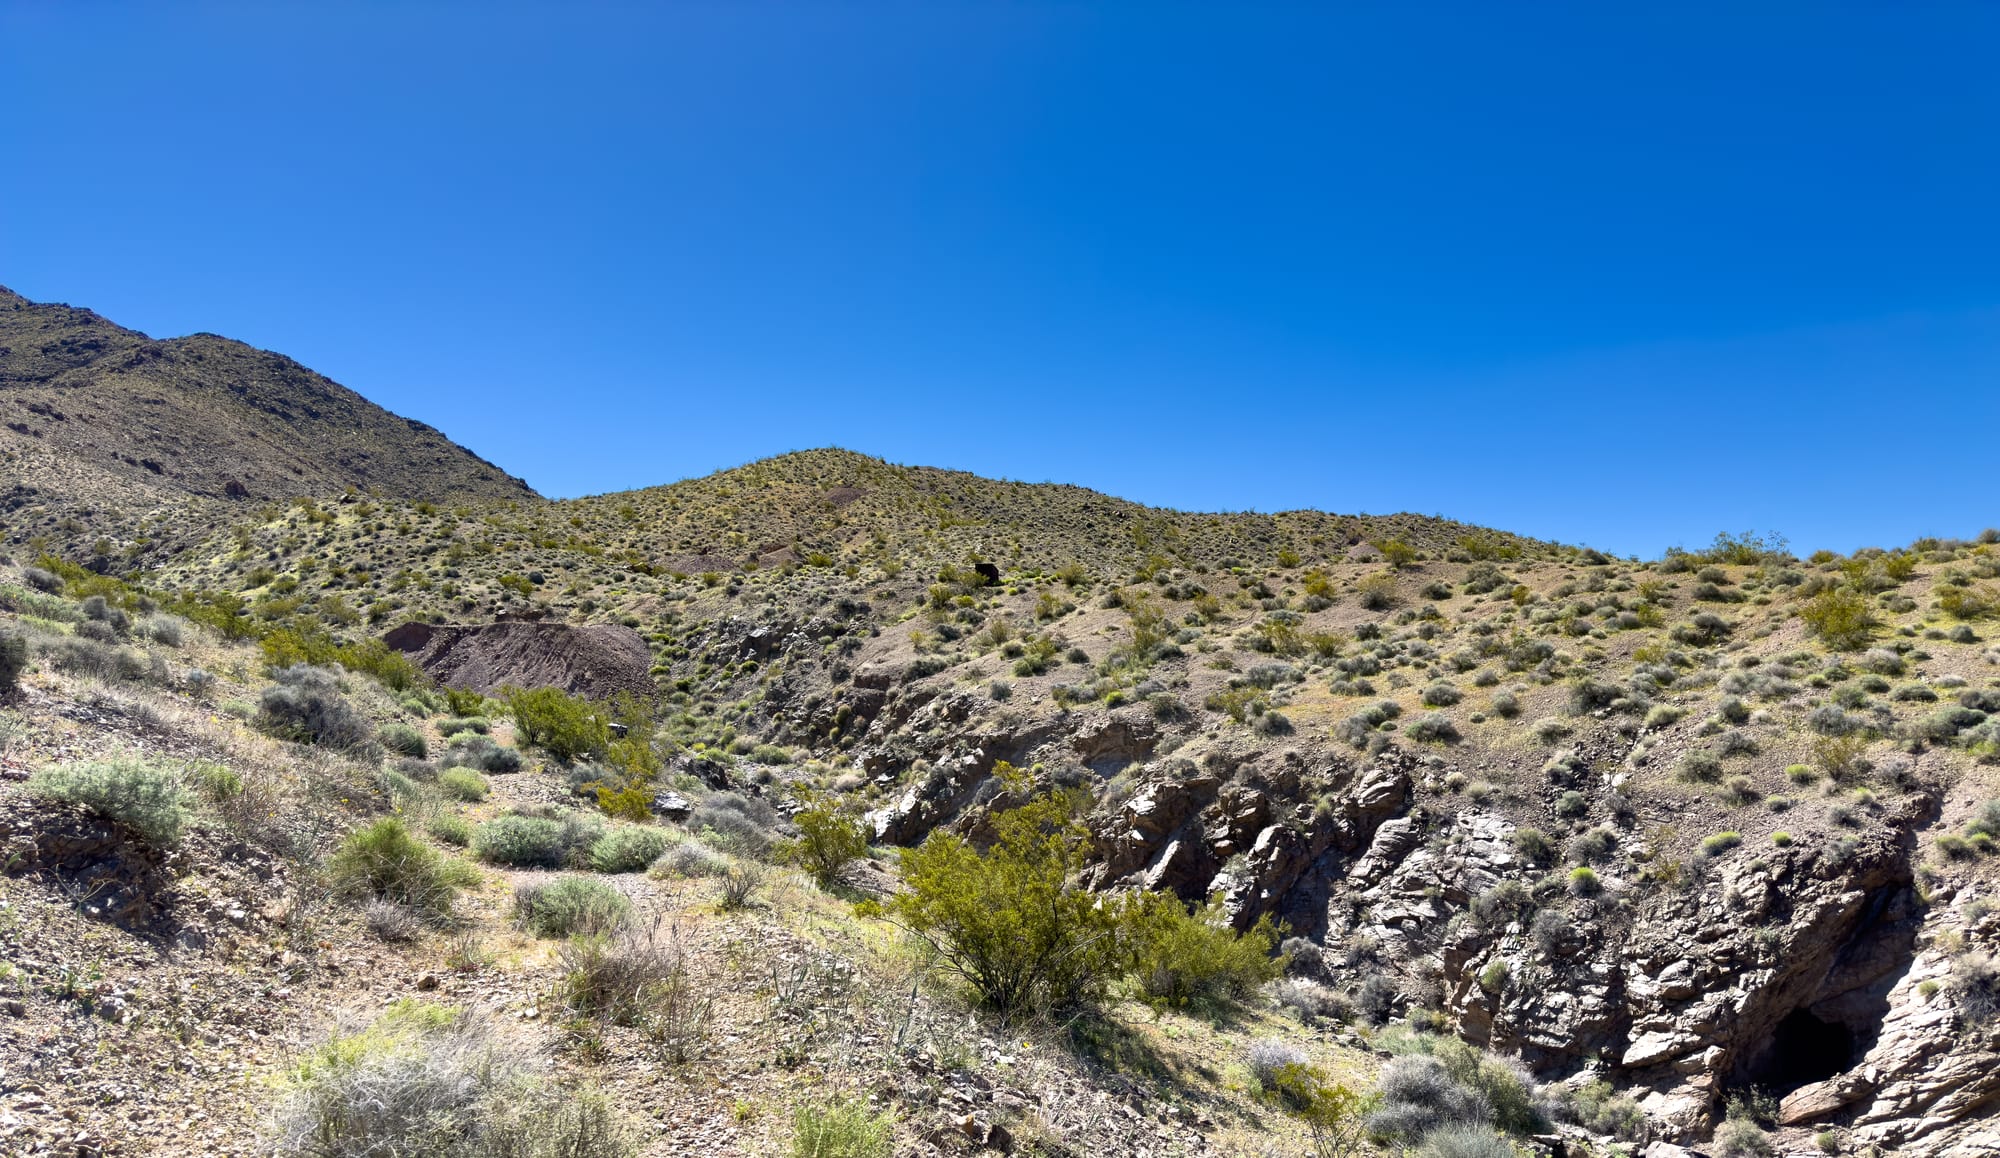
column 107, row 425
column 826, row 806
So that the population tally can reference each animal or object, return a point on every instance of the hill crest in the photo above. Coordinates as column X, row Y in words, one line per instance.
column 122, row 414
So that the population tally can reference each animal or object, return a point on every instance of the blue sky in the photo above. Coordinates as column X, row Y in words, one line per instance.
column 1584, row 272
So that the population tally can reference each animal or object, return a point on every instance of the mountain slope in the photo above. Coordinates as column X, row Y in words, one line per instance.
column 92, row 406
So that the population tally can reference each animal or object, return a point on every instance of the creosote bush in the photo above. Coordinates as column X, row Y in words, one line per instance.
column 1016, row 927
column 565, row 726
column 1840, row 617
column 1012, row 922
column 127, row 789
column 1182, row 958
column 830, row 837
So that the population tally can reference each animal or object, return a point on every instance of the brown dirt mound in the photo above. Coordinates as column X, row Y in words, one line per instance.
column 593, row 661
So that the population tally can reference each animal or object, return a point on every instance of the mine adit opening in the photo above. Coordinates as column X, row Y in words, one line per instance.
column 1804, row 1050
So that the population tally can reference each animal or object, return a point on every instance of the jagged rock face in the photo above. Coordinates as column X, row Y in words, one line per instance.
column 1224, row 826
column 1792, row 969
column 1930, row 1082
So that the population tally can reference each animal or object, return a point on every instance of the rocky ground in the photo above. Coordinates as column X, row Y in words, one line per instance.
column 154, row 1001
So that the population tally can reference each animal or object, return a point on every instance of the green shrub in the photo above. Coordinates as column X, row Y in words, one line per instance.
column 568, row 728
column 452, row 727
column 1534, row 845
column 462, row 702
column 521, row 841
column 830, row 837
column 1583, row 882
column 838, row 1128
column 404, row 740
column 480, row 752
column 385, row 861
column 306, row 706
column 1603, row 1110
column 450, row 828
column 1955, row 846
column 570, row 905
column 1721, row 842
column 13, row 660
column 463, row 784
column 213, row 782
column 1183, row 958
column 1701, row 766
column 126, row 789
column 1012, row 922
column 628, row 848
column 1741, row 1138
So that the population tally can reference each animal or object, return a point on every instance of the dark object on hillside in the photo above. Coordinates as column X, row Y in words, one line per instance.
column 593, row 661
column 989, row 572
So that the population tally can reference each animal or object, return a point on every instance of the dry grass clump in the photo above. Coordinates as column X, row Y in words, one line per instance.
column 425, row 1079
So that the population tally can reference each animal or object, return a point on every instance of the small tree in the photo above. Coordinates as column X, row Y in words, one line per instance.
column 1013, row 922
column 830, row 837
column 565, row 726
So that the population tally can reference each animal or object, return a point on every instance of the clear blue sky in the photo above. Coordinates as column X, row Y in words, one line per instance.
column 1581, row 272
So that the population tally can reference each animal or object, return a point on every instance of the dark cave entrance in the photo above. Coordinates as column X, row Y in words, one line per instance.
column 1803, row 1050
